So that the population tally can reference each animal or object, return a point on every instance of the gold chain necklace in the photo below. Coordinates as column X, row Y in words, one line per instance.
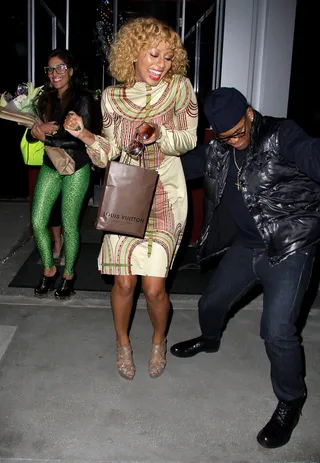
column 237, row 184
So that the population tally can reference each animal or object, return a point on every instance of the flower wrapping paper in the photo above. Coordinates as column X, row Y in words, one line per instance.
column 21, row 108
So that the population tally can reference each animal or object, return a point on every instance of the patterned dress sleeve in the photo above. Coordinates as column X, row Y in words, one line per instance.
column 183, row 137
column 104, row 147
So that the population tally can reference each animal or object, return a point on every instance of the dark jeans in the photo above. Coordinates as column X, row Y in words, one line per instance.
column 284, row 286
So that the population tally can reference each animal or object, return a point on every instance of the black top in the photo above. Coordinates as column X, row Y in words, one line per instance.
column 247, row 230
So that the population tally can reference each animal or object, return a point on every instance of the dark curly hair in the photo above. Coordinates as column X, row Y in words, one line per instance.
column 49, row 94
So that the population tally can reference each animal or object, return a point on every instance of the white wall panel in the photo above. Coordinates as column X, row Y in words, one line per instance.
column 257, row 51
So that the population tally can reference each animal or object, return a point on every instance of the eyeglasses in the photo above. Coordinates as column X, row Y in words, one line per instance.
column 136, row 147
column 59, row 68
column 236, row 135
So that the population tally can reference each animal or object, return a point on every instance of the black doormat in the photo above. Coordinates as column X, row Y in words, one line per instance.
column 185, row 278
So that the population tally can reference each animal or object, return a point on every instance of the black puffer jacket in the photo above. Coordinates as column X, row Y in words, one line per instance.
column 284, row 202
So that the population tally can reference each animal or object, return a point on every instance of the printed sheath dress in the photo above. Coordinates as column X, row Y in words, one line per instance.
column 174, row 107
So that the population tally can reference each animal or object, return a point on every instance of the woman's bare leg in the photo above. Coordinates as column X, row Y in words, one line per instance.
column 57, row 239
column 122, row 295
column 158, row 305
column 121, row 302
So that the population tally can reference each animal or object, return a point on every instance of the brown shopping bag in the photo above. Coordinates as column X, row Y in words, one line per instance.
column 61, row 160
column 126, row 199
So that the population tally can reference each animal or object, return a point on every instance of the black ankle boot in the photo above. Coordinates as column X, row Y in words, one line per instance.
column 46, row 284
column 65, row 289
column 278, row 430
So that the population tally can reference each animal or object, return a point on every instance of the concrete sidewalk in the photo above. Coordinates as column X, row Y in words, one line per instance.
column 14, row 230
column 62, row 399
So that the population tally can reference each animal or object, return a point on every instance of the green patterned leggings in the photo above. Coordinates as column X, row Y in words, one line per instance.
column 74, row 188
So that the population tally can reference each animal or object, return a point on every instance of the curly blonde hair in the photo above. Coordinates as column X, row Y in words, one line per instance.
column 139, row 34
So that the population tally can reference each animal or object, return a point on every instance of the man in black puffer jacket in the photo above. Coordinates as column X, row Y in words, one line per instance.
column 261, row 182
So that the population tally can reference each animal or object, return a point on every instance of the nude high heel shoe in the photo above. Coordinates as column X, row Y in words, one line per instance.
column 125, row 362
column 158, row 361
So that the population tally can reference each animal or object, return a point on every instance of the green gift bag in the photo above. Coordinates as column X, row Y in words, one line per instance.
column 32, row 153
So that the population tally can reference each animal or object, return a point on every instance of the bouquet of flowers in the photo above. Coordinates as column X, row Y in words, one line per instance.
column 21, row 107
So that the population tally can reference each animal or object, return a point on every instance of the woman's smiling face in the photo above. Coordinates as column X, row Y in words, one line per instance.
column 59, row 74
column 153, row 63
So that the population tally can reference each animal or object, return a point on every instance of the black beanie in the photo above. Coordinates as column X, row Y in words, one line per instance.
column 224, row 108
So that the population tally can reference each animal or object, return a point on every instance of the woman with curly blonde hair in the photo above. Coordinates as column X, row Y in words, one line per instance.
column 137, row 35
column 152, row 95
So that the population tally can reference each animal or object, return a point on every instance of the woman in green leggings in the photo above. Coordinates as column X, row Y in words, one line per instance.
column 63, row 93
